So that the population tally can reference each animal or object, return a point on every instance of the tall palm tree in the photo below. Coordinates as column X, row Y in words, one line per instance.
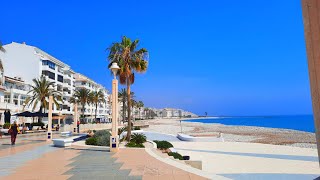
column 130, row 60
column 40, row 92
column 82, row 97
column 97, row 97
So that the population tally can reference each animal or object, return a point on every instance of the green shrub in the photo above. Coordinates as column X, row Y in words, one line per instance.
column 6, row 126
column 163, row 144
column 100, row 138
column 103, row 137
column 176, row 155
column 134, row 145
column 138, row 138
column 41, row 124
column 101, row 133
column 103, row 140
column 137, row 128
column 91, row 141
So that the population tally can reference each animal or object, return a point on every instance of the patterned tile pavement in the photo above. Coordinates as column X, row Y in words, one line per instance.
column 34, row 158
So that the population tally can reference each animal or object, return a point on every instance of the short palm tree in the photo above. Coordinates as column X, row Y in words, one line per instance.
column 40, row 92
column 1, row 65
column 133, row 105
column 96, row 98
column 140, row 104
column 82, row 97
column 122, row 96
column 130, row 60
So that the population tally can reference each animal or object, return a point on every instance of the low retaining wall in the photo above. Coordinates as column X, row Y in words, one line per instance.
column 184, row 137
column 86, row 127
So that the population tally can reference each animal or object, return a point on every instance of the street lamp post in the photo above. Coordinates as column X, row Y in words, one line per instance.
column 50, row 119
column 75, row 118
column 114, row 144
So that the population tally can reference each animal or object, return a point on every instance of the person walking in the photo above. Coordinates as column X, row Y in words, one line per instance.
column 78, row 126
column 13, row 131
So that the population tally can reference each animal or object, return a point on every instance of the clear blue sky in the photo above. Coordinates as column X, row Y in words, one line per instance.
column 225, row 57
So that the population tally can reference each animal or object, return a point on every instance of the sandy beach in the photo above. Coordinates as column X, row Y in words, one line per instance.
column 230, row 133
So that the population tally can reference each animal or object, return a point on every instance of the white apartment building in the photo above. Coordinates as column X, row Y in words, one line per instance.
column 104, row 109
column 22, row 63
column 173, row 113
column 13, row 94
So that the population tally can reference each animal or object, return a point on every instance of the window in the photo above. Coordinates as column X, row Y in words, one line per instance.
column 51, row 75
column 60, row 78
column 59, row 88
column 65, row 107
column 49, row 63
column 7, row 98
column 22, row 99
column 15, row 99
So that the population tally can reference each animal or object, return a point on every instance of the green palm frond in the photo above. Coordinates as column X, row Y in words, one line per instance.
column 82, row 97
column 130, row 60
column 40, row 92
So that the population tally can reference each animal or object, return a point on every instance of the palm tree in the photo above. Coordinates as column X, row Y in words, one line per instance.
column 130, row 60
column 96, row 98
column 146, row 110
column 82, row 97
column 122, row 96
column 133, row 105
column 40, row 92
column 140, row 104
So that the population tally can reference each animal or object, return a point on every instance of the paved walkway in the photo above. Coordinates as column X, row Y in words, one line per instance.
column 253, row 161
column 34, row 158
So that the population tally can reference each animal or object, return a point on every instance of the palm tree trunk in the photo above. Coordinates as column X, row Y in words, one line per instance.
column 40, row 118
column 123, row 109
column 83, row 109
column 95, row 114
column 129, row 110
column 139, row 114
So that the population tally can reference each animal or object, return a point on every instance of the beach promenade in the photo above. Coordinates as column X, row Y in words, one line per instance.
column 34, row 158
column 237, row 160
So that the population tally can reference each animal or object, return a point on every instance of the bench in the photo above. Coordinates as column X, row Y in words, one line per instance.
column 62, row 142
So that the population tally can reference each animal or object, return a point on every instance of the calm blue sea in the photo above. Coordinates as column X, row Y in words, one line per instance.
column 300, row 122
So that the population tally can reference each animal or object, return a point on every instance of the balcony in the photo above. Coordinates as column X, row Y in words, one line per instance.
column 47, row 68
column 66, row 84
column 67, row 76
